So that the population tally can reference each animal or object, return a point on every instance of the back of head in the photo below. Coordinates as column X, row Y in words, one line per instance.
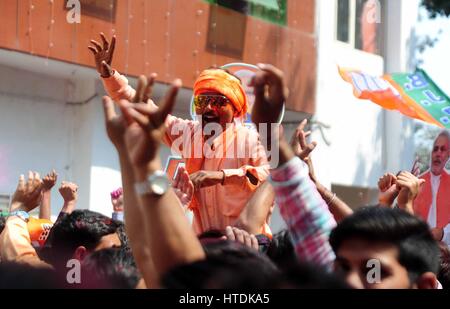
column 24, row 276
column 418, row 252
column 227, row 265
column 112, row 268
column 444, row 268
column 300, row 275
column 2, row 223
column 281, row 250
column 80, row 228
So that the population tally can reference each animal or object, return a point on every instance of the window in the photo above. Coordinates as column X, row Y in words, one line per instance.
column 226, row 32
column 359, row 24
column 102, row 9
column 274, row 11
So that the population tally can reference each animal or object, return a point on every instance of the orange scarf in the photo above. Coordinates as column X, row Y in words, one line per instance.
column 39, row 230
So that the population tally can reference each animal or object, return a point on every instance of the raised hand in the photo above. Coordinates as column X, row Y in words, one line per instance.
column 388, row 189
column 49, row 180
column 415, row 170
column 301, row 147
column 69, row 191
column 117, row 200
column 28, row 194
column 270, row 94
column 409, row 186
column 183, row 187
column 115, row 125
column 146, row 125
column 145, row 89
column 103, row 55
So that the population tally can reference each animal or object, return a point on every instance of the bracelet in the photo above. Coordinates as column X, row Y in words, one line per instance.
column 332, row 199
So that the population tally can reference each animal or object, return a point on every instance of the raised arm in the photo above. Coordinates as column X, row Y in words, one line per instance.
column 408, row 187
column 303, row 150
column 134, row 217
column 170, row 237
column 387, row 190
column 69, row 193
column 15, row 241
column 45, row 210
column 301, row 205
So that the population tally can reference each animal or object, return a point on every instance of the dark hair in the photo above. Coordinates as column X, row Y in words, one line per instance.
column 418, row 251
column 301, row 275
column 112, row 268
column 211, row 234
column 444, row 269
column 80, row 228
column 2, row 223
column 281, row 250
column 227, row 265
column 24, row 276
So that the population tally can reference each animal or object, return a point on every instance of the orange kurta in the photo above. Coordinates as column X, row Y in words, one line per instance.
column 423, row 201
column 220, row 205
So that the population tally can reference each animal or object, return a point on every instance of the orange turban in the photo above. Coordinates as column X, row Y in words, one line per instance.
column 217, row 80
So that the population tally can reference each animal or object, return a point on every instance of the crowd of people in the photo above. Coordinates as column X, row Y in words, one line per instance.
column 232, row 180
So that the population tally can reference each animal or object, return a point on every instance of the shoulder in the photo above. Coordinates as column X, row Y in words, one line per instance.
column 425, row 175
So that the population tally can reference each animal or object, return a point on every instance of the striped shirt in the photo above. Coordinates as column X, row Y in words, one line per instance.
column 305, row 212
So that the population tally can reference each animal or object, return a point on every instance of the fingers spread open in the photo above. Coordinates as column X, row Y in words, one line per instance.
column 142, row 84
column 97, row 45
column 93, row 50
column 105, row 41
column 108, row 108
column 168, row 103
column 112, row 48
column 149, row 88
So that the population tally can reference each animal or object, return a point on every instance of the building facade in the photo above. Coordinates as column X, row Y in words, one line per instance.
column 50, row 94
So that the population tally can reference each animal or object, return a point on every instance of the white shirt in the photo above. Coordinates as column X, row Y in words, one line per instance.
column 435, row 182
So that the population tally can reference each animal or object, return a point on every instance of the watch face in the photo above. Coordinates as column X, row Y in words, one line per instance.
column 160, row 185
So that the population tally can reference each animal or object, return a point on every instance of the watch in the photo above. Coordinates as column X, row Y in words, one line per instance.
column 21, row 214
column 156, row 184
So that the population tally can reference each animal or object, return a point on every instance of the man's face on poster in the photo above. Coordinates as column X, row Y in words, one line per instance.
column 440, row 154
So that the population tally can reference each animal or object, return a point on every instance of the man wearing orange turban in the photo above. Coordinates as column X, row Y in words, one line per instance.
column 212, row 148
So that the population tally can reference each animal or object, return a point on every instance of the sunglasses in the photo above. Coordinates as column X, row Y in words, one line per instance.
column 215, row 100
column 436, row 148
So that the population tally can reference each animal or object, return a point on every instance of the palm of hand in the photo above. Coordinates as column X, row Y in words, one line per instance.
column 141, row 149
column 184, row 197
column 115, row 129
column 388, row 195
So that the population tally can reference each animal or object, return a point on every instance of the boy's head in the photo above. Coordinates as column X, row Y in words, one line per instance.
column 385, row 248
column 112, row 268
column 79, row 233
column 228, row 264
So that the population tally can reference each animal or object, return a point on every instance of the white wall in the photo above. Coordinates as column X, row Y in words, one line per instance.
column 365, row 140
column 354, row 156
column 402, row 16
column 38, row 129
